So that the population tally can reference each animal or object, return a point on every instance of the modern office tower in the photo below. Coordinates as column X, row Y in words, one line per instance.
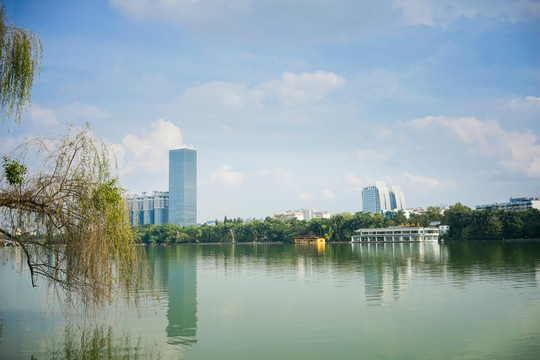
column 375, row 198
column 183, row 187
column 148, row 209
column 397, row 199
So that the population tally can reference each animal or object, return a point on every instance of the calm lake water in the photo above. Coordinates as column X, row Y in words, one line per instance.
column 340, row 301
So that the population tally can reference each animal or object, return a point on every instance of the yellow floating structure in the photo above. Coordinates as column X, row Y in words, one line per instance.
column 309, row 239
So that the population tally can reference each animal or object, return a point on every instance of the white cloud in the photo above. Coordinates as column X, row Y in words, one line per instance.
column 288, row 90
column 356, row 183
column 416, row 12
column 422, row 182
column 300, row 88
column 516, row 151
column 525, row 103
column 353, row 179
column 227, row 176
column 373, row 154
column 42, row 117
column 443, row 12
column 190, row 11
column 78, row 111
column 284, row 177
column 317, row 20
column 328, row 194
column 305, row 196
column 149, row 151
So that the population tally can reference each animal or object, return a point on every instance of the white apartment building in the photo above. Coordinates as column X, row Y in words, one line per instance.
column 303, row 214
column 523, row 203
column 148, row 209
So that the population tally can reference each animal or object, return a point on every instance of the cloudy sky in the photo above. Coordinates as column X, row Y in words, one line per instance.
column 298, row 103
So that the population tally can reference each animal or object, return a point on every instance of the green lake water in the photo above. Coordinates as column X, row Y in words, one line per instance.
column 473, row 300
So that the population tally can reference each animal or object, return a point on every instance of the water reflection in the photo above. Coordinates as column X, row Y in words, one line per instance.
column 388, row 267
column 99, row 342
column 182, row 309
column 175, row 280
column 231, row 301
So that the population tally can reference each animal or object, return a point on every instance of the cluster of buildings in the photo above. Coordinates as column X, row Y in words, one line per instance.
column 378, row 198
column 302, row 214
column 177, row 206
column 523, row 203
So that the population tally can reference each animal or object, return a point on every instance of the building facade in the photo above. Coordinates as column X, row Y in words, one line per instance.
column 397, row 199
column 377, row 198
column 303, row 214
column 183, row 187
column 148, row 209
column 524, row 203
column 396, row 234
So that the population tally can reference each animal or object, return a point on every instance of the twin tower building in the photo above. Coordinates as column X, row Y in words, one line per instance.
column 377, row 198
column 177, row 206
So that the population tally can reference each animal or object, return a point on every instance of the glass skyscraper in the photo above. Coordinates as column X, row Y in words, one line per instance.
column 183, row 187
column 377, row 198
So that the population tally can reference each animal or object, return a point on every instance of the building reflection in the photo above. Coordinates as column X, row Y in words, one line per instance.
column 174, row 270
column 387, row 267
column 182, row 285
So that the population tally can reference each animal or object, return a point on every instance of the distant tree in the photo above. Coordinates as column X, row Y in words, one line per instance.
column 400, row 218
column 531, row 227
column 458, row 217
column 512, row 224
column 493, row 227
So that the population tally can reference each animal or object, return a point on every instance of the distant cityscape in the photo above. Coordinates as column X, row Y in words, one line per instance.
column 178, row 206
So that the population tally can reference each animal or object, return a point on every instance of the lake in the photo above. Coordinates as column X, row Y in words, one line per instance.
column 474, row 300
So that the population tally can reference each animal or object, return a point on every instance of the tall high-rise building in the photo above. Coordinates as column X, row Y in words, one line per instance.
column 397, row 199
column 377, row 198
column 183, row 187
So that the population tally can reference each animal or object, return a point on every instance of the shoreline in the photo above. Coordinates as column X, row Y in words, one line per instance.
column 346, row 242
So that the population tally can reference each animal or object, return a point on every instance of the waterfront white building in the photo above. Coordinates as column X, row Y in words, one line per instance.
column 396, row 234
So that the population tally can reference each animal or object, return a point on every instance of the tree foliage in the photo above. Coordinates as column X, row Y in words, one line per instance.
column 465, row 224
column 68, row 215
column 20, row 63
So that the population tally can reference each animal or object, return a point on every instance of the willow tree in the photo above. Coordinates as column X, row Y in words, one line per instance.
column 61, row 203
column 60, row 200
column 20, row 63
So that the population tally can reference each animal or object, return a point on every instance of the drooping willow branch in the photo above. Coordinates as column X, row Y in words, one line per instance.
column 68, row 215
column 21, row 54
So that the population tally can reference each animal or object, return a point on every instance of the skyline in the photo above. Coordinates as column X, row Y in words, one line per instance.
column 297, row 104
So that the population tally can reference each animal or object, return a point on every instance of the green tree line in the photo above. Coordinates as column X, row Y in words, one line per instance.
column 465, row 224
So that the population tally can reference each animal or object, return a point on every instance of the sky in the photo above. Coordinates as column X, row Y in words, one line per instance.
column 296, row 104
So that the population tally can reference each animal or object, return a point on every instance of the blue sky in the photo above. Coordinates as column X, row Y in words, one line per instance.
column 298, row 104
